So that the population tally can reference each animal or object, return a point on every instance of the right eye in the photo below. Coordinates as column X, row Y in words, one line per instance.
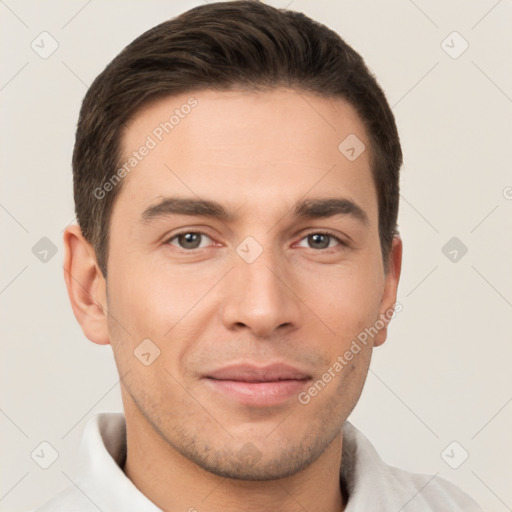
column 188, row 240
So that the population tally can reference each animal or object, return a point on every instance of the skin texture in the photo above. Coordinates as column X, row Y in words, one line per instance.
column 256, row 153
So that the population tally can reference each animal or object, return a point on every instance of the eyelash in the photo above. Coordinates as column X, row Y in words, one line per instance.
column 341, row 243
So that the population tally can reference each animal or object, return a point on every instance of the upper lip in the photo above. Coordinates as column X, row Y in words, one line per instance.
column 252, row 373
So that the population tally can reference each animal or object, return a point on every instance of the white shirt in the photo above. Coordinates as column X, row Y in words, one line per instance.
column 372, row 485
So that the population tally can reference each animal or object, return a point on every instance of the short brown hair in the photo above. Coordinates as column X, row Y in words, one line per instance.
column 222, row 46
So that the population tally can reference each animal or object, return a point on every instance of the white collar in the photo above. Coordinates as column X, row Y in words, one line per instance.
column 372, row 484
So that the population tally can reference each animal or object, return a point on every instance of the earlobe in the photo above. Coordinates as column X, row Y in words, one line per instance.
column 389, row 295
column 86, row 286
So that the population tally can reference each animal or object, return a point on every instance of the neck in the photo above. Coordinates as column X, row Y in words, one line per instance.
column 174, row 483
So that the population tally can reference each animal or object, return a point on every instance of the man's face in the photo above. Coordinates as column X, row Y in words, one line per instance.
column 259, row 287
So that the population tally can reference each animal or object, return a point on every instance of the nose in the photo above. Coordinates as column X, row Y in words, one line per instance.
column 261, row 296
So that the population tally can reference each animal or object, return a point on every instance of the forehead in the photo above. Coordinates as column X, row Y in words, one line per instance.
column 270, row 147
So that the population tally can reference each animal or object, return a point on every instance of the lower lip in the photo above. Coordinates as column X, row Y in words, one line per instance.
column 259, row 393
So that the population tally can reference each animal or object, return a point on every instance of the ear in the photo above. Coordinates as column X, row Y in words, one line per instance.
column 388, row 301
column 86, row 286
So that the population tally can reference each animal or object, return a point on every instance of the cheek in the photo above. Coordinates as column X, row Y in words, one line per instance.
column 152, row 301
column 348, row 298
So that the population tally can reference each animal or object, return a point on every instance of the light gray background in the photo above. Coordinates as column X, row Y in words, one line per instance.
column 444, row 373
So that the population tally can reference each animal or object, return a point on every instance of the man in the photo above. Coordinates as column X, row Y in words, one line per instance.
column 236, row 182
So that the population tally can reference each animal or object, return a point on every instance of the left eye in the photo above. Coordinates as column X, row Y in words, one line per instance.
column 321, row 240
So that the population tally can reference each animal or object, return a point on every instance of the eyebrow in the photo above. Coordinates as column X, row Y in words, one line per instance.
column 311, row 208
